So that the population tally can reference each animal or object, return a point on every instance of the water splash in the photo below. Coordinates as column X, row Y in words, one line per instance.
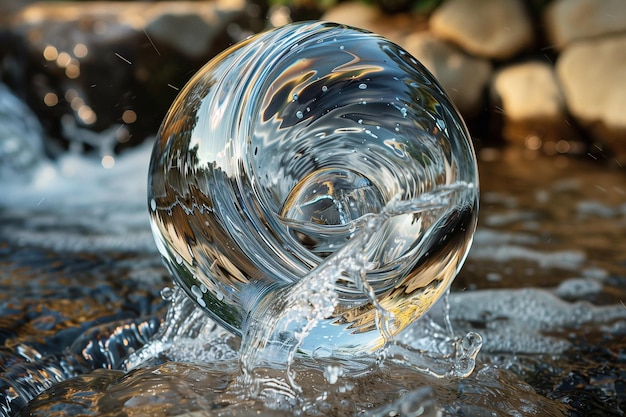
column 315, row 384
column 281, row 322
column 32, row 371
column 314, row 190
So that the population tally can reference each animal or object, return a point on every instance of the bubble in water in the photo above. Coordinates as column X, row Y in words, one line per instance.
column 353, row 235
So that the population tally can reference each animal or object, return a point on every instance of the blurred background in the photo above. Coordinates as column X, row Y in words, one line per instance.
column 545, row 75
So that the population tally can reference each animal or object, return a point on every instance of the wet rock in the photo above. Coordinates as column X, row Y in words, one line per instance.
column 114, row 67
column 463, row 77
column 569, row 20
column 191, row 29
column 592, row 77
column 361, row 15
column 532, row 105
column 497, row 29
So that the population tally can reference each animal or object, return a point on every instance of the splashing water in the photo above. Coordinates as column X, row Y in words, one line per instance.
column 314, row 191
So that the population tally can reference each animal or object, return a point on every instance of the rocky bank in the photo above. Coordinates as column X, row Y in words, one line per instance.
column 548, row 75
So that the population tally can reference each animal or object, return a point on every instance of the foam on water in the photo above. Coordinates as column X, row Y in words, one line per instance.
column 525, row 321
column 76, row 193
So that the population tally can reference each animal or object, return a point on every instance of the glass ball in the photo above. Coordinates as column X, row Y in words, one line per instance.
column 276, row 152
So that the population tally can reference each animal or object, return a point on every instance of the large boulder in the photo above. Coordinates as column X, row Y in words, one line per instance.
column 570, row 20
column 497, row 29
column 593, row 77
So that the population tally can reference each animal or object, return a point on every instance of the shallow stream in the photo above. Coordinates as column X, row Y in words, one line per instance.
column 544, row 285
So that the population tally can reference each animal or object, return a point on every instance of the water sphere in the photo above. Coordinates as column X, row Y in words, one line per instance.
column 314, row 166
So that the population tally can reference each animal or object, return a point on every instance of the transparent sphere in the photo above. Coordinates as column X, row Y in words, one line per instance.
column 274, row 153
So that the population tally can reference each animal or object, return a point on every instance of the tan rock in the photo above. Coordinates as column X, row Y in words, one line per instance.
column 356, row 14
column 463, row 77
column 189, row 27
column 496, row 29
column 528, row 91
column 569, row 20
column 361, row 15
column 532, row 103
column 593, row 77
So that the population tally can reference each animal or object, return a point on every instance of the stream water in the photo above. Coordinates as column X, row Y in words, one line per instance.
column 91, row 325
column 544, row 285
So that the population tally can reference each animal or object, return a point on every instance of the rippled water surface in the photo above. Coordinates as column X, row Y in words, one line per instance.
column 544, row 286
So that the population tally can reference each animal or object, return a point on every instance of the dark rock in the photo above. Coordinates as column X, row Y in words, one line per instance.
column 114, row 67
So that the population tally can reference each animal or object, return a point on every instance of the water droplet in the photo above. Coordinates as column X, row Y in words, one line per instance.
column 167, row 293
column 196, row 291
column 294, row 97
column 362, row 86
column 299, row 114
column 153, row 205
column 324, row 89
column 332, row 373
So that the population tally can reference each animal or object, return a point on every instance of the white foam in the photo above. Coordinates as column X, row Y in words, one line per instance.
column 503, row 247
column 578, row 288
column 76, row 204
column 595, row 208
column 82, row 181
column 518, row 321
